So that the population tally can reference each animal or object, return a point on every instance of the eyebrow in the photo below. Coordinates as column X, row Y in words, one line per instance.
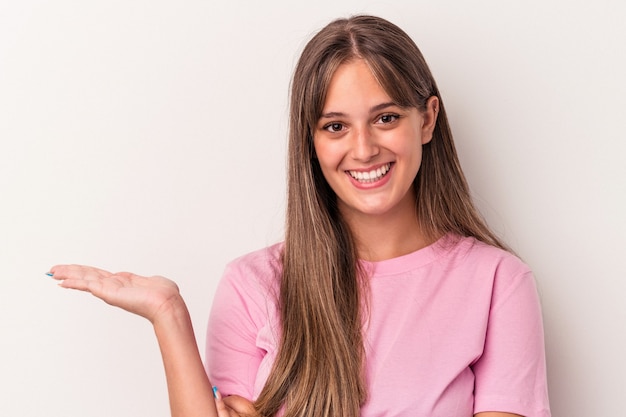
column 374, row 109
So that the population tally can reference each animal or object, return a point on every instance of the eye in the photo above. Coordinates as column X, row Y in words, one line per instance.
column 388, row 118
column 333, row 127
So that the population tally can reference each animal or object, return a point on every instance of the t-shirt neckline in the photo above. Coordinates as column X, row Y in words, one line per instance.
column 413, row 260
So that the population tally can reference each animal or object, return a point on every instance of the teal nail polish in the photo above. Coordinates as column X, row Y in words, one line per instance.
column 215, row 392
column 50, row 274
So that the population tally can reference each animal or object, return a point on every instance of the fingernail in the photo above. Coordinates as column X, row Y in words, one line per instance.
column 50, row 274
column 216, row 393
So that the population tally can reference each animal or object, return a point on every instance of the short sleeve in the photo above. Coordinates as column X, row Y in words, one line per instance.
column 511, row 372
column 238, row 313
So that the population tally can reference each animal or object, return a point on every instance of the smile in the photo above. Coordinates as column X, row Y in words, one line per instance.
column 370, row 176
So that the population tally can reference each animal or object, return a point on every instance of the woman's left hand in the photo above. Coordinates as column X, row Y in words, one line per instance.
column 145, row 296
column 234, row 406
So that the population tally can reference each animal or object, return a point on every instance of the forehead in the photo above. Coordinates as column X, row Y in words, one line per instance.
column 353, row 83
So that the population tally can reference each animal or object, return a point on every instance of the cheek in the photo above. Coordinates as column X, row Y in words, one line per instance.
column 407, row 145
column 327, row 155
column 411, row 150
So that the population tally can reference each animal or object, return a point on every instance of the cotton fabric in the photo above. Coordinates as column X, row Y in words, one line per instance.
column 453, row 329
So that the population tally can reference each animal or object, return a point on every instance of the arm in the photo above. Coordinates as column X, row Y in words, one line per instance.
column 511, row 373
column 189, row 389
column 242, row 330
column 158, row 300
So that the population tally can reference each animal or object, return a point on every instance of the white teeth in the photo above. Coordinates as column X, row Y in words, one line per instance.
column 371, row 176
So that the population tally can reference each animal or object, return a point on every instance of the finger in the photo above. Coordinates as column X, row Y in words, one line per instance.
column 75, row 268
column 225, row 411
column 81, row 285
column 222, row 409
column 240, row 405
column 61, row 272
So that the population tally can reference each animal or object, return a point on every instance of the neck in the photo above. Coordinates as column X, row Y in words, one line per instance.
column 388, row 235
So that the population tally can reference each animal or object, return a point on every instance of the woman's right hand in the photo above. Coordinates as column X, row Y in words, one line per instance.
column 148, row 297
column 158, row 299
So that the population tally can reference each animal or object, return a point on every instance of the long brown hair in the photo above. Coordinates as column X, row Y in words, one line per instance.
column 319, row 369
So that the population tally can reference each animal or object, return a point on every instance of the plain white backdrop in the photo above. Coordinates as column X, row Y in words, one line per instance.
column 150, row 136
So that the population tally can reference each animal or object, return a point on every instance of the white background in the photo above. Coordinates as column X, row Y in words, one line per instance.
column 149, row 136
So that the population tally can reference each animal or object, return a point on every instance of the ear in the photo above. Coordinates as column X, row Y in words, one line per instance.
column 430, row 119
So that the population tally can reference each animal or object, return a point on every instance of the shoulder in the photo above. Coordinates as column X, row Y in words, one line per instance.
column 268, row 258
column 260, row 269
column 474, row 255
column 498, row 273
column 481, row 265
column 248, row 290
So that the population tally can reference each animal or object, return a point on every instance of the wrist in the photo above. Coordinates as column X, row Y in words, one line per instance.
column 173, row 311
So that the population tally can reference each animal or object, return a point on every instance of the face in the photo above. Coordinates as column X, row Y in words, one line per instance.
column 369, row 148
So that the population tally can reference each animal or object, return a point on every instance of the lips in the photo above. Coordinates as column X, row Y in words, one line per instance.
column 366, row 177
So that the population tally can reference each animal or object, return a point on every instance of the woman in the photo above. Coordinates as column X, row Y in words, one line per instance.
column 390, row 296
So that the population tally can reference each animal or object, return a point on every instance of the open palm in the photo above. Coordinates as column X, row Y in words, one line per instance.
column 145, row 296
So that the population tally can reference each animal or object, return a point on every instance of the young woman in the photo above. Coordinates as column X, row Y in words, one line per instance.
column 390, row 296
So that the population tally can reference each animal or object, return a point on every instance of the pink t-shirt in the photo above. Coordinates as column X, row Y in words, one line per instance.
column 454, row 329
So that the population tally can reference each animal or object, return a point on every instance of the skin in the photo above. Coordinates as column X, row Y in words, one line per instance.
column 361, row 129
column 159, row 301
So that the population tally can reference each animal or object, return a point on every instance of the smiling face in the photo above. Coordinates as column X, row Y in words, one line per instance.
column 369, row 148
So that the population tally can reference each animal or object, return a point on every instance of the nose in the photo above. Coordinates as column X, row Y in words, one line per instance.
column 364, row 145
